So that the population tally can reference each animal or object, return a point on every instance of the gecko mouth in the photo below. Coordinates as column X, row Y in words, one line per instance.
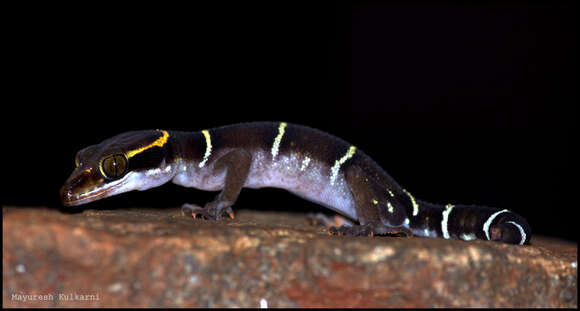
column 72, row 197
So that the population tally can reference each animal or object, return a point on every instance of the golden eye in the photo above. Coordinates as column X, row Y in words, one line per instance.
column 114, row 166
column 77, row 160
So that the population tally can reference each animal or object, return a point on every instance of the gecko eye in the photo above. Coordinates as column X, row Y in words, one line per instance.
column 77, row 160
column 114, row 166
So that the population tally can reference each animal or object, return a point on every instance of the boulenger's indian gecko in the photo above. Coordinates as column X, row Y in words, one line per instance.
column 310, row 163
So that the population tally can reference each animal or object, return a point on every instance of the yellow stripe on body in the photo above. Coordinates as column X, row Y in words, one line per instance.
column 278, row 139
column 415, row 205
column 305, row 163
column 159, row 142
column 207, row 148
column 336, row 167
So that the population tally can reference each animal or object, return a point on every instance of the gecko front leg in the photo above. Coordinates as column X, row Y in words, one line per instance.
column 237, row 165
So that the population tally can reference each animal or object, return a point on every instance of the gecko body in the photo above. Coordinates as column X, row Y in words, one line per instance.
column 309, row 163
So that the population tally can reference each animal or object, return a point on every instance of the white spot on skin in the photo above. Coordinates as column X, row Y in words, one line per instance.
column 182, row 165
column 304, row 164
column 425, row 232
column 390, row 207
column 490, row 220
column 153, row 172
column 446, row 212
column 278, row 139
column 157, row 171
column 207, row 148
column 467, row 237
column 522, row 232
column 340, row 162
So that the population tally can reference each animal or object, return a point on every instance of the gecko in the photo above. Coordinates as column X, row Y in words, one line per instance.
column 307, row 162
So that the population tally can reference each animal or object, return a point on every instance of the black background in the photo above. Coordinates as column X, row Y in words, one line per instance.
column 459, row 103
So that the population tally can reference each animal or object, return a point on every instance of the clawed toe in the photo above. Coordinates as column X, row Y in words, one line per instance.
column 211, row 211
column 228, row 210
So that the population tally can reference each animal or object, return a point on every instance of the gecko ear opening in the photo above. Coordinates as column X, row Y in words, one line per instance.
column 113, row 166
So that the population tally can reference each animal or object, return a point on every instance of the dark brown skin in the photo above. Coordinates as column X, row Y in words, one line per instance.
column 371, row 219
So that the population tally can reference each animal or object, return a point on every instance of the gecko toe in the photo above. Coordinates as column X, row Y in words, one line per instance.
column 211, row 211
column 327, row 221
column 194, row 210
column 228, row 210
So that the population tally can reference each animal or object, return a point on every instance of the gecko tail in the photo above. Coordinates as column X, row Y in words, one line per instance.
column 470, row 222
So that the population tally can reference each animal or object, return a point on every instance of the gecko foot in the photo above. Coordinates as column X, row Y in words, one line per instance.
column 327, row 221
column 356, row 230
column 212, row 210
column 370, row 230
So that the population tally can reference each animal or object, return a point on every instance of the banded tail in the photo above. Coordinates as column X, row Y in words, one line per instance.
column 469, row 222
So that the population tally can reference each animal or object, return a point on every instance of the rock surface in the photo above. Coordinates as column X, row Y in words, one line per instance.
column 159, row 258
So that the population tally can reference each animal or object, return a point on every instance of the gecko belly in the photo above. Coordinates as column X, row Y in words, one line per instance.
column 310, row 181
column 288, row 172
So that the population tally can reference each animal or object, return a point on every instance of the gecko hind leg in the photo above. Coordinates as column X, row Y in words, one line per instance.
column 371, row 207
column 237, row 165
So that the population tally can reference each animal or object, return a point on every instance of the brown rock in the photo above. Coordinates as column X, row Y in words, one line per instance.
column 159, row 258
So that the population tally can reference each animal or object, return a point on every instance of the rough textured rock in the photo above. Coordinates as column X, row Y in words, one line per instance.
column 159, row 258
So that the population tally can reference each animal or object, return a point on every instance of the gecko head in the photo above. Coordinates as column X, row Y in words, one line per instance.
column 129, row 161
